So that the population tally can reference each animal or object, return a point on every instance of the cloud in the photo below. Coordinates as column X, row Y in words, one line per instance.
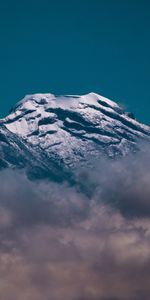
column 102, row 257
column 123, row 183
column 57, row 242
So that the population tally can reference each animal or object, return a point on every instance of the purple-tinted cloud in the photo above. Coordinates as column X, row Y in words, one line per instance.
column 58, row 243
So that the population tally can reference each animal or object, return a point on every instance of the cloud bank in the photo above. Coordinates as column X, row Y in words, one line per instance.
column 57, row 242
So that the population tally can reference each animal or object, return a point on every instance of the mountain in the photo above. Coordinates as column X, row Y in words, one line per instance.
column 51, row 135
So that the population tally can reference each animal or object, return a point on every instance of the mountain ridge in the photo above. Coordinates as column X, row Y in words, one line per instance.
column 46, row 133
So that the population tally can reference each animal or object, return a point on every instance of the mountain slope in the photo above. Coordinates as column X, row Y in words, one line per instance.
column 47, row 134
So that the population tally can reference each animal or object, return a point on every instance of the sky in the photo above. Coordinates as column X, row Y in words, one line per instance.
column 75, row 47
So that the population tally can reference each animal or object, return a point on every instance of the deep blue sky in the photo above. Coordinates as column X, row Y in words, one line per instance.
column 75, row 47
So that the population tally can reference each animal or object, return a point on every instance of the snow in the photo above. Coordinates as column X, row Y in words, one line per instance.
column 67, row 124
column 93, row 97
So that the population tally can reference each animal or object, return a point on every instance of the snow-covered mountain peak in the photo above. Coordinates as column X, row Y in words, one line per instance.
column 37, row 114
column 73, row 127
column 32, row 101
